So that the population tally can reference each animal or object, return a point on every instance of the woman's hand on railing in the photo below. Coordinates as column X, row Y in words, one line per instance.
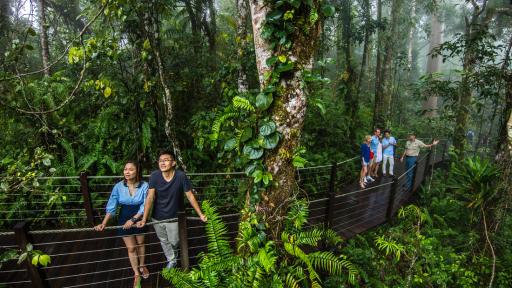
column 100, row 227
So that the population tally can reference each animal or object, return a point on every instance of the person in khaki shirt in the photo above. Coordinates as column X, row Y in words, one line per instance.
column 411, row 152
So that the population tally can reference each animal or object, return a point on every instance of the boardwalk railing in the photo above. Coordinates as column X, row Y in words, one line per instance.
column 82, row 257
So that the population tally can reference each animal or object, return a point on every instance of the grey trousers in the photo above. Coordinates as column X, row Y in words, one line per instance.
column 167, row 233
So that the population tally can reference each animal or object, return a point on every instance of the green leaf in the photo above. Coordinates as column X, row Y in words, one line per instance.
column 263, row 101
column 274, row 15
column 294, row 3
column 107, row 92
column 230, row 144
column 270, row 142
column 284, row 67
column 267, row 127
column 253, row 153
column 47, row 162
column 282, row 58
column 246, row 134
column 328, row 10
column 35, row 260
column 146, row 45
column 44, row 260
column 22, row 258
column 250, row 169
column 31, row 31
column 299, row 162
column 29, row 247
column 270, row 61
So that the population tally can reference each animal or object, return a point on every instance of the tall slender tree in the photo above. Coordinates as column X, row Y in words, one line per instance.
column 433, row 61
column 45, row 50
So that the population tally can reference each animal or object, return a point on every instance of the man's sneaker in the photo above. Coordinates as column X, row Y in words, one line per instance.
column 370, row 178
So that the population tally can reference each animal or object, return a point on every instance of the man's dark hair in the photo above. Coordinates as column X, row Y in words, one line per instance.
column 375, row 130
column 387, row 131
column 166, row 152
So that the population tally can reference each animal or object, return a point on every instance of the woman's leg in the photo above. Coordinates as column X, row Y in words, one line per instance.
column 141, row 252
column 131, row 246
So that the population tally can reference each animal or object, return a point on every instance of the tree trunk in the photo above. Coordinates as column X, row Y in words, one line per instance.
column 153, row 31
column 5, row 27
column 212, row 29
column 474, row 27
column 366, row 44
column 349, row 75
column 287, row 111
column 378, row 114
column 505, row 137
column 410, row 40
column 45, row 51
column 242, row 7
column 387, row 71
column 433, row 63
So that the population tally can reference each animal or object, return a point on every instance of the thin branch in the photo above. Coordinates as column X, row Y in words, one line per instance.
column 71, row 96
column 65, row 51
column 492, row 249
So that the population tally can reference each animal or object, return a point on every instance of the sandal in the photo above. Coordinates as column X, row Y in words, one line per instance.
column 136, row 281
column 144, row 272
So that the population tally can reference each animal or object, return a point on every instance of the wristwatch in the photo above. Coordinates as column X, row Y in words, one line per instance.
column 134, row 220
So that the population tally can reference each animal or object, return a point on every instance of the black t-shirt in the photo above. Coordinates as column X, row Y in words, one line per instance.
column 168, row 194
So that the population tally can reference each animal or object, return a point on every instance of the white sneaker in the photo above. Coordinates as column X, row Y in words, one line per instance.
column 370, row 178
column 171, row 264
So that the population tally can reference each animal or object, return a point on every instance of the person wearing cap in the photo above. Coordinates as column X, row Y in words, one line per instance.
column 411, row 152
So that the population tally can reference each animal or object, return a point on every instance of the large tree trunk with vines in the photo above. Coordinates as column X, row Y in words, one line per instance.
column 45, row 51
column 287, row 111
column 433, row 63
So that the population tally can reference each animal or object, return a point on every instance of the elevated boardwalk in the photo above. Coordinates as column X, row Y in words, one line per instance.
column 86, row 258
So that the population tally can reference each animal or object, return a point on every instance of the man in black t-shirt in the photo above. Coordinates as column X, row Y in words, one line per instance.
column 166, row 189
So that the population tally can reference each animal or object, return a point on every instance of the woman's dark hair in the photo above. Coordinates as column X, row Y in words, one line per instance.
column 138, row 176
column 167, row 152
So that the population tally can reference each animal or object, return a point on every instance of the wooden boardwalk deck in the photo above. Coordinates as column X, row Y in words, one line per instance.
column 91, row 259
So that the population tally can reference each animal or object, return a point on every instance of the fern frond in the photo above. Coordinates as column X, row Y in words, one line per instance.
column 218, row 243
column 243, row 104
column 219, row 120
column 179, row 278
column 291, row 281
column 333, row 264
column 298, row 215
column 390, row 246
column 295, row 250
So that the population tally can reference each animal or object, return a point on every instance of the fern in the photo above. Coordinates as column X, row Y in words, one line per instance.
column 390, row 246
column 333, row 264
column 298, row 215
column 216, row 231
column 179, row 278
column 217, row 123
column 243, row 104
